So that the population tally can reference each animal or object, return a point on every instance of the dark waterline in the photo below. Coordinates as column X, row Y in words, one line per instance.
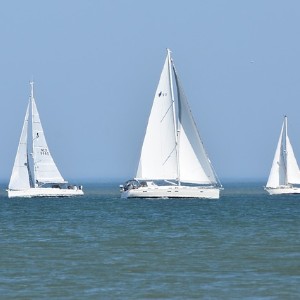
column 244, row 246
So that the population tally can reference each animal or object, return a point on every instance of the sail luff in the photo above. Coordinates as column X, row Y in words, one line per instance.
column 174, row 114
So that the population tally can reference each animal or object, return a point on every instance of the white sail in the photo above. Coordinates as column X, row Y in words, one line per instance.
column 45, row 169
column 277, row 175
column 172, row 149
column 158, row 156
column 20, row 177
column 194, row 164
column 33, row 154
column 293, row 173
column 284, row 169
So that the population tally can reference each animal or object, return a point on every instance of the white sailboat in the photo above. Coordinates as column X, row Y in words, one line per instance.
column 173, row 161
column 285, row 175
column 35, row 173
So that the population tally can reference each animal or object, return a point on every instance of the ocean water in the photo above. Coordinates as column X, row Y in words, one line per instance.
column 244, row 246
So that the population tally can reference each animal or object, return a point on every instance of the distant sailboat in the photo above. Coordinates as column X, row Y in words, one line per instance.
column 285, row 172
column 35, row 173
column 173, row 162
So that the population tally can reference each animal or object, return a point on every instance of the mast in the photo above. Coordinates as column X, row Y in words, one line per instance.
column 31, row 92
column 285, row 153
column 32, row 154
column 176, row 132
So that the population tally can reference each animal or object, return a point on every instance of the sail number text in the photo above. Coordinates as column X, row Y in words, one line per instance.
column 44, row 151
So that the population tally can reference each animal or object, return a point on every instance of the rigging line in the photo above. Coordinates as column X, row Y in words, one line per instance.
column 174, row 149
column 166, row 112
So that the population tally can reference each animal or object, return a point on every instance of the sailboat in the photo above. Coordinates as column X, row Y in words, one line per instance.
column 285, row 175
column 173, row 161
column 35, row 173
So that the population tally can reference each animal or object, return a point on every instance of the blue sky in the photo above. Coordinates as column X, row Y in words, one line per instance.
column 96, row 65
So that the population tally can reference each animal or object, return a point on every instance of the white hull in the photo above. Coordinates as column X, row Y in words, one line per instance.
column 45, row 192
column 172, row 192
column 283, row 190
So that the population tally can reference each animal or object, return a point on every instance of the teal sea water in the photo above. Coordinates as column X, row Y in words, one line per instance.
column 244, row 246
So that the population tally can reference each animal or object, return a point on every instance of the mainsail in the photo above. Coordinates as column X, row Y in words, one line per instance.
column 285, row 168
column 172, row 147
column 45, row 170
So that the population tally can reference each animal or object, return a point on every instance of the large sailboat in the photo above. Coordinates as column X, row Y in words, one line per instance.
column 173, row 161
column 35, row 173
column 285, row 175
